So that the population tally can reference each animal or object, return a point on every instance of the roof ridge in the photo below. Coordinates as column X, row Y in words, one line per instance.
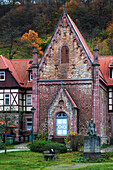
column 15, row 71
column 70, row 98
column 22, row 59
column 3, row 58
column 81, row 38
column 102, row 75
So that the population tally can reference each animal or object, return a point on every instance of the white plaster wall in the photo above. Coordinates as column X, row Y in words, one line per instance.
column 14, row 90
column 1, row 96
column 7, row 90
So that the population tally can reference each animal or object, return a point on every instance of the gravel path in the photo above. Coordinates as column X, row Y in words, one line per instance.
column 20, row 147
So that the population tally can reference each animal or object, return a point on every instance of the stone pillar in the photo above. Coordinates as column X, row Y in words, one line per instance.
column 92, row 147
column 92, row 142
column 96, row 101
column 35, row 98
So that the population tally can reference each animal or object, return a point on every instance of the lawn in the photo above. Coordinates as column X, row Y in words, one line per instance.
column 28, row 160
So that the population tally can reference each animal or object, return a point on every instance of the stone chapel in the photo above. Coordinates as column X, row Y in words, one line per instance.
column 68, row 86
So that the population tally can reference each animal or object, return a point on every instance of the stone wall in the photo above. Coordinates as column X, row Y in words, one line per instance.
column 79, row 65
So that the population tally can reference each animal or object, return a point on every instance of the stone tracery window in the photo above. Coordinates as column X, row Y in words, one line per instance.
column 64, row 55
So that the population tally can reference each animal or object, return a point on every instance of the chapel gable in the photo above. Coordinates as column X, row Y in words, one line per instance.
column 67, row 55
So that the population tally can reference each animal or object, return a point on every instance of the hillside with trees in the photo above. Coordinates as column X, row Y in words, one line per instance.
column 94, row 18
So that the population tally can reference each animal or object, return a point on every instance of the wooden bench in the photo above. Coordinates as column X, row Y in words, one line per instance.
column 49, row 154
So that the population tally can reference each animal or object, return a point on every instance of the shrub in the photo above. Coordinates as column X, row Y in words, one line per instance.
column 74, row 140
column 104, row 145
column 107, row 155
column 81, row 159
column 37, row 146
column 1, row 144
column 60, row 148
column 101, row 160
column 42, row 136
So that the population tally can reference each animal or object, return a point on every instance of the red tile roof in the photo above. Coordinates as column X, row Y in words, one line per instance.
column 3, row 62
column 102, row 77
column 6, row 64
column 21, row 67
column 105, row 62
column 2, row 122
column 70, row 98
column 18, row 68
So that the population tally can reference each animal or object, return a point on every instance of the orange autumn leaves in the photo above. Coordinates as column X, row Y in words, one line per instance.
column 31, row 40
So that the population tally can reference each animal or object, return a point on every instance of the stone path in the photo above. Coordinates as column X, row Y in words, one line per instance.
column 67, row 167
column 20, row 147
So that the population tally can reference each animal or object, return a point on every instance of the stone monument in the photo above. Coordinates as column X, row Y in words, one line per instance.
column 92, row 142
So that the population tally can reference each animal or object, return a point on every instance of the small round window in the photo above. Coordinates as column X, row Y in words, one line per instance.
column 61, row 102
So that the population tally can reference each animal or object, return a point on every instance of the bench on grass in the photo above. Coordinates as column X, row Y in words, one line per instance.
column 49, row 154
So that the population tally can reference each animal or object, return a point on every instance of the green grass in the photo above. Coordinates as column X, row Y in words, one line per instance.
column 28, row 160
column 10, row 147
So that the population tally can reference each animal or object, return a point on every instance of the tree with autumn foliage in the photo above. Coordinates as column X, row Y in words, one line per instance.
column 7, row 123
column 31, row 40
column 104, row 41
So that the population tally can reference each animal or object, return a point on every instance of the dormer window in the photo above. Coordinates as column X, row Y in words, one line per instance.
column 30, row 76
column 111, row 69
column 2, row 75
column 64, row 55
column 111, row 72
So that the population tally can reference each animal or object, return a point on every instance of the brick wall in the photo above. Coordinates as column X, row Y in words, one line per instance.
column 80, row 93
column 103, row 112
column 77, row 74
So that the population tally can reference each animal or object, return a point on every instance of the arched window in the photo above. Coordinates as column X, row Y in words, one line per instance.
column 61, row 124
column 64, row 55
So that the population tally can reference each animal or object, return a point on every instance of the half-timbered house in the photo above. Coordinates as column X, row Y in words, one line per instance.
column 67, row 87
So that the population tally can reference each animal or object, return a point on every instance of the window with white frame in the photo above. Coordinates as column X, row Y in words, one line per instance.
column 7, row 99
column 111, row 72
column 28, row 99
column 30, row 76
column 110, row 101
column 2, row 75
column 29, row 124
column 61, row 124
